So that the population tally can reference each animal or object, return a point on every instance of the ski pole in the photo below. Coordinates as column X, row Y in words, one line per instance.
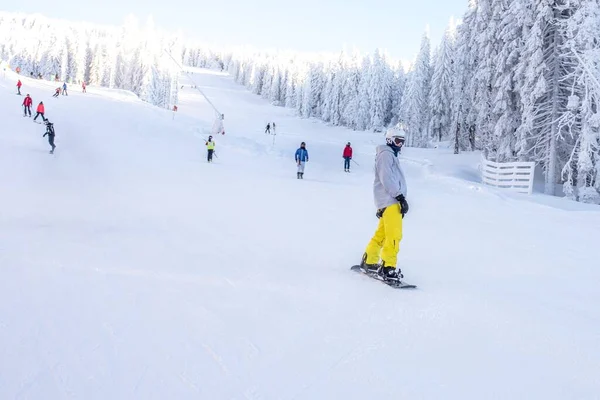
column 355, row 162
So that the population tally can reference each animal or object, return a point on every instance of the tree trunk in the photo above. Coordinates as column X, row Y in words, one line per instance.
column 552, row 147
column 456, row 138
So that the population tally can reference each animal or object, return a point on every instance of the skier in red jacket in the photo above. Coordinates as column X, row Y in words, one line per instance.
column 347, row 157
column 19, row 84
column 40, row 111
column 27, row 102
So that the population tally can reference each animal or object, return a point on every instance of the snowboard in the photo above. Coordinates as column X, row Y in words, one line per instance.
column 393, row 284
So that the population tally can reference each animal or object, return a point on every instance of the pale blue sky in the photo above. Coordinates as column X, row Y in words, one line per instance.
column 305, row 25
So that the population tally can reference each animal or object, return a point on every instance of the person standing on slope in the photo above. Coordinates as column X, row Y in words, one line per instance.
column 50, row 133
column 27, row 102
column 268, row 128
column 347, row 157
column 64, row 91
column 40, row 111
column 19, row 84
column 83, row 86
column 301, row 159
column 389, row 190
column 210, row 147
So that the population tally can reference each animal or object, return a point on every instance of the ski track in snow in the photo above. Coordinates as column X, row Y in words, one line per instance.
column 132, row 269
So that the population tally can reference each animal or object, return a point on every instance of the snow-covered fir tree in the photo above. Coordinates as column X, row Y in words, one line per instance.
column 73, row 53
column 440, row 100
column 415, row 102
column 516, row 80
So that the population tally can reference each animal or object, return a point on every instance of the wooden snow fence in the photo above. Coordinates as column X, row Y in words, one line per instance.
column 513, row 176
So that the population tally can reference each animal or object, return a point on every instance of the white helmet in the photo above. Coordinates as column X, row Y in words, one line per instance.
column 393, row 133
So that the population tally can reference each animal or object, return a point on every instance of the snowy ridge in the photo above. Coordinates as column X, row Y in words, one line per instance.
column 131, row 268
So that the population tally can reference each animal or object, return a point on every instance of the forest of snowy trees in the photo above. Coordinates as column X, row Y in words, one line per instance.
column 515, row 79
column 130, row 57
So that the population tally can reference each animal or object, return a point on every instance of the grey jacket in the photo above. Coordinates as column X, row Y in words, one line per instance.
column 389, row 178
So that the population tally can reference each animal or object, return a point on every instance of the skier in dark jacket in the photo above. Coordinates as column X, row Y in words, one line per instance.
column 64, row 91
column 50, row 133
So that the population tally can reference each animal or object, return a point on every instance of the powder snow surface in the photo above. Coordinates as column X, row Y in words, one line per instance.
column 130, row 268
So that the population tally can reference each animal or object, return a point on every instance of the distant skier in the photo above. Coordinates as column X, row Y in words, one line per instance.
column 50, row 133
column 301, row 159
column 347, row 157
column 273, row 128
column 389, row 191
column 19, row 84
column 27, row 102
column 268, row 129
column 83, row 86
column 40, row 111
column 210, row 147
column 56, row 92
column 64, row 89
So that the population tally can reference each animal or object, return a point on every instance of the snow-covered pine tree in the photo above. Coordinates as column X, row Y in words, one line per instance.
column 507, row 105
column 363, row 112
column 415, row 102
column 549, row 77
column 581, row 172
column 350, row 95
column 440, row 101
column 380, row 87
column 313, row 91
column 463, row 124
column 398, row 87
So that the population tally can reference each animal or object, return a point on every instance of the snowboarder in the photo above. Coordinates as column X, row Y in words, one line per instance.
column 19, row 84
column 268, row 129
column 389, row 190
column 64, row 87
column 40, row 111
column 50, row 133
column 27, row 102
column 83, row 86
column 56, row 92
column 347, row 157
column 210, row 147
column 301, row 159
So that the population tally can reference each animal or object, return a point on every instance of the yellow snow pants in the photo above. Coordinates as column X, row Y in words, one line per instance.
column 386, row 241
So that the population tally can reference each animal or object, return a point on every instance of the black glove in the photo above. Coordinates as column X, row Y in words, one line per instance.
column 403, row 204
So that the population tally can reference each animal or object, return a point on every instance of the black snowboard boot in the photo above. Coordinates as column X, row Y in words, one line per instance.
column 391, row 274
column 368, row 267
column 298, row 175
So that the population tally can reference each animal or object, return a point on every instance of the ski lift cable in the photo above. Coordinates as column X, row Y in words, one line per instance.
column 195, row 84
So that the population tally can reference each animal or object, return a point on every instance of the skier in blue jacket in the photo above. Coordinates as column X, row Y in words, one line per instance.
column 301, row 159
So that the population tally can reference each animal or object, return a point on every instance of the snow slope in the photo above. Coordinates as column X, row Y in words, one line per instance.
column 132, row 269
